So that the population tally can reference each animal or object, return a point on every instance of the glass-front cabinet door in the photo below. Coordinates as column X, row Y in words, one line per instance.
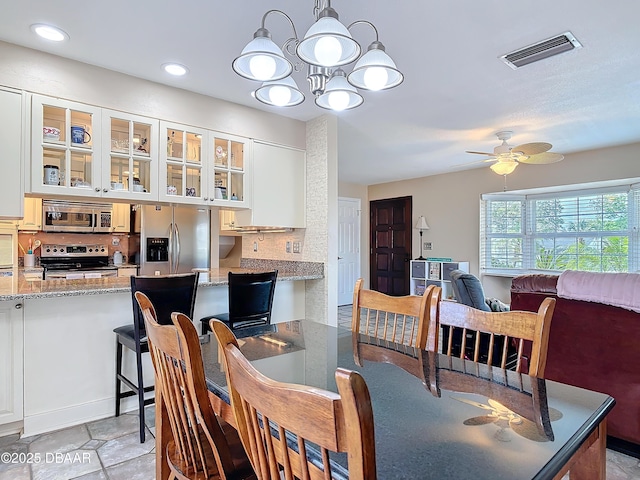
column 130, row 156
column 182, row 170
column 227, row 182
column 65, row 142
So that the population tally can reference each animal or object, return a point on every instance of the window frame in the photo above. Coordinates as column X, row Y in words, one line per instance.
column 529, row 236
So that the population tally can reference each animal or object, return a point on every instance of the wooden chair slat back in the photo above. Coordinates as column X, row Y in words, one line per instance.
column 198, row 440
column 514, row 325
column 296, row 415
column 402, row 319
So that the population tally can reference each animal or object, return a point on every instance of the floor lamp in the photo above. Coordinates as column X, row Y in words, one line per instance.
column 421, row 225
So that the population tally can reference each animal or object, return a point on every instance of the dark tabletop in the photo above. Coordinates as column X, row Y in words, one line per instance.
column 435, row 417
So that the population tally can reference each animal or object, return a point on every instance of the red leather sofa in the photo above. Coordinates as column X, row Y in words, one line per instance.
column 593, row 346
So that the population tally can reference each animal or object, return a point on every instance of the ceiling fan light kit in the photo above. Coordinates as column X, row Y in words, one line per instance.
column 507, row 158
column 327, row 46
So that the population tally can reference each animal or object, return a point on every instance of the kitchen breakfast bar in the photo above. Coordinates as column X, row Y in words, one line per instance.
column 62, row 333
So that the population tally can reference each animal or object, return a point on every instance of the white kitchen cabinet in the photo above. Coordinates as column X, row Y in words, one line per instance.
column 11, row 154
column 11, row 362
column 129, row 156
column 278, row 188
column 121, row 217
column 228, row 165
column 32, row 219
column 227, row 220
column 113, row 155
column 60, row 166
column 183, row 150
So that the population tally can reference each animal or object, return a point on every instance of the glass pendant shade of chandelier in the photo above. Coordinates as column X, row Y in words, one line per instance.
column 504, row 167
column 339, row 94
column 328, row 43
column 280, row 93
column 262, row 59
column 375, row 70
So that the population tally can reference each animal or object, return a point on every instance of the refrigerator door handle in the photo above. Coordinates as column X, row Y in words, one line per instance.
column 171, row 247
column 177, row 252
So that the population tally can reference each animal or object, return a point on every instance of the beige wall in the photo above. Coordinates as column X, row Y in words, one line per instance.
column 451, row 202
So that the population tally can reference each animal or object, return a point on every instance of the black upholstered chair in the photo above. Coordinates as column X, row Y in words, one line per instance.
column 250, row 301
column 168, row 294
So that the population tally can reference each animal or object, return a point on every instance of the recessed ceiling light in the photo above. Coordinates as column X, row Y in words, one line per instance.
column 175, row 69
column 49, row 32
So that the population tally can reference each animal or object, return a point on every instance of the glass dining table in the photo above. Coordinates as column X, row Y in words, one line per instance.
column 434, row 416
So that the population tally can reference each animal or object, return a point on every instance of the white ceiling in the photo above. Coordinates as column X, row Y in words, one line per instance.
column 456, row 93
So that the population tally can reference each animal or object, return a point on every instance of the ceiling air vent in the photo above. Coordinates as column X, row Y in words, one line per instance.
column 541, row 50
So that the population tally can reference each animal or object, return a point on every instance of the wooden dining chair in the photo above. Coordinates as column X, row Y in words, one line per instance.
column 289, row 430
column 516, row 326
column 403, row 320
column 203, row 445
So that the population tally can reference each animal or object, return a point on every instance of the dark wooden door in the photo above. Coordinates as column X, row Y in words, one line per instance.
column 390, row 245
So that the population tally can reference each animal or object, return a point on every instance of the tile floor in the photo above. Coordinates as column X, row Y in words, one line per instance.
column 109, row 449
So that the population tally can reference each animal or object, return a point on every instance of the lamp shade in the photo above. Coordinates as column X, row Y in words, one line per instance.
column 339, row 94
column 421, row 224
column 262, row 59
column 280, row 93
column 504, row 167
column 328, row 43
column 375, row 70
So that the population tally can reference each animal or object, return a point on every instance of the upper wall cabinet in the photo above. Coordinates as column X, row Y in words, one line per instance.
column 228, row 164
column 278, row 188
column 81, row 150
column 182, row 166
column 65, row 140
column 129, row 156
column 11, row 148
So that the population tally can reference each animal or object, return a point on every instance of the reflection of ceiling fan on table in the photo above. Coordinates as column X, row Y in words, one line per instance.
column 506, row 158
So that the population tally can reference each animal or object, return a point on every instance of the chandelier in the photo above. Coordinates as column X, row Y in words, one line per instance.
column 325, row 49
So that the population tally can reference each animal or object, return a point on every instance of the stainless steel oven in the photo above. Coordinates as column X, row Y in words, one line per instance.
column 76, row 261
column 63, row 216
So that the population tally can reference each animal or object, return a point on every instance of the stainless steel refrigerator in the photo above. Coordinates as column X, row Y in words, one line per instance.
column 174, row 239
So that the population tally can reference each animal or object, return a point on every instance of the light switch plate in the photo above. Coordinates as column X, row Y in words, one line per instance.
column 288, row 247
column 427, row 245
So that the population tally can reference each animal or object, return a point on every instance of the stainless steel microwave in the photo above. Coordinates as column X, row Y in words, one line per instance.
column 63, row 216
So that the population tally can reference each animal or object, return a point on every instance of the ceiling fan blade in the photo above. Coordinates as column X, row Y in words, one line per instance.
column 532, row 148
column 543, row 158
column 481, row 153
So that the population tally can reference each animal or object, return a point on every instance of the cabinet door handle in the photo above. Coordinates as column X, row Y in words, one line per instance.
column 105, row 190
column 97, row 189
column 206, row 198
column 18, row 306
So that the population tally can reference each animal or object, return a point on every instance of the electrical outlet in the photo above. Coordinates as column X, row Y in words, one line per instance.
column 288, row 247
column 255, row 246
column 296, row 247
column 427, row 245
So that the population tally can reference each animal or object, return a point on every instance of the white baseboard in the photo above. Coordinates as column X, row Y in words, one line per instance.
column 76, row 415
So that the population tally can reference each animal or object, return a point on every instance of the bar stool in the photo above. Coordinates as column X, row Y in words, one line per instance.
column 250, row 301
column 170, row 293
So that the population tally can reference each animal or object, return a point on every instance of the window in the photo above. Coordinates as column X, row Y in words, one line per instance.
column 590, row 230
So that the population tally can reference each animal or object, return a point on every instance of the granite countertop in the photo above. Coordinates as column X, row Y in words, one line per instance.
column 19, row 286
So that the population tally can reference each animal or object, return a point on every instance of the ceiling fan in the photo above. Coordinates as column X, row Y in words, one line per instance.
column 507, row 158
